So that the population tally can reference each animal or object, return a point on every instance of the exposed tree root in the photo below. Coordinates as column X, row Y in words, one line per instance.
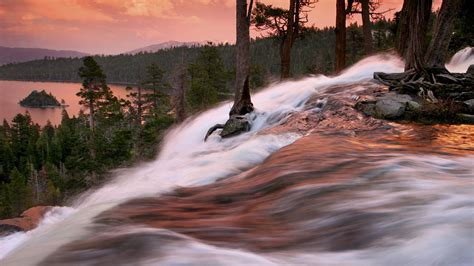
column 434, row 81
column 212, row 129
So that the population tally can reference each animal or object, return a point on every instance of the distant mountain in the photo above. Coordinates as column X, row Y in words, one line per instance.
column 164, row 45
column 17, row 55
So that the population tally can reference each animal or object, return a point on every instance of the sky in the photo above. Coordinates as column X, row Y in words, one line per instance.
column 115, row 26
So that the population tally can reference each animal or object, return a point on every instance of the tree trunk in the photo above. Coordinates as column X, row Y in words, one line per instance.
column 402, row 31
column 179, row 104
column 288, row 42
column 436, row 55
column 242, row 101
column 367, row 27
column 418, row 16
column 139, row 106
column 91, row 112
column 340, row 35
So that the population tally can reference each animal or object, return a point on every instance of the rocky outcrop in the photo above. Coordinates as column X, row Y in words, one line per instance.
column 389, row 106
column 235, row 125
column 28, row 220
column 424, row 107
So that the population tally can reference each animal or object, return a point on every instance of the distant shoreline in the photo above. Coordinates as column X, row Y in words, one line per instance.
column 69, row 81
column 45, row 106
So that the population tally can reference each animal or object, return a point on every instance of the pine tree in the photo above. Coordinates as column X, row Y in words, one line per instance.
column 155, row 100
column 208, row 78
column 285, row 24
column 18, row 193
column 94, row 87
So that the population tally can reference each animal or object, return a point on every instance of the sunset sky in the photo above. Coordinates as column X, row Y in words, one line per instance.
column 114, row 26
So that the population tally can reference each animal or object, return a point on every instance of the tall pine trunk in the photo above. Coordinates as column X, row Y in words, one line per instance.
column 91, row 111
column 402, row 30
column 288, row 42
column 139, row 106
column 340, row 35
column 418, row 12
column 436, row 55
column 179, row 104
column 367, row 27
column 242, row 101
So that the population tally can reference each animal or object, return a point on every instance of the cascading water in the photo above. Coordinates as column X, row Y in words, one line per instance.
column 186, row 161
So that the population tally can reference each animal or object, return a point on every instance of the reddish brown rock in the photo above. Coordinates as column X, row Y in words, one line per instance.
column 335, row 112
column 28, row 220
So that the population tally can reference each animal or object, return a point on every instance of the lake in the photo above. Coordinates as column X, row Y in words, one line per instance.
column 12, row 92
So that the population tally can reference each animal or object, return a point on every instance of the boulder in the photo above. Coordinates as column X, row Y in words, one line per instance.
column 392, row 105
column 389, row 109
column 28, row 220
column 469, row 105
column 235, row 125
column 470, row 70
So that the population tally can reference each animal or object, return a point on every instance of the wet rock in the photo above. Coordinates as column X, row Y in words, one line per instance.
column 390, row 109
column 392, row 105
column 28, row 220
column 389, row 106
column 466, row 118
column 469, row 105
column 6, row 229
column 235, row 125
column 461, row 96
column 413, row 106
column 470, row 70
column 366, row 107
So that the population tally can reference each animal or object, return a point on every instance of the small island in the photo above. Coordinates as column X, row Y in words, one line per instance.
column 40, row 99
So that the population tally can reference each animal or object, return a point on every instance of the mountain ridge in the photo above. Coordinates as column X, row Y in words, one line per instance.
column 19, row 54
column 161, row 46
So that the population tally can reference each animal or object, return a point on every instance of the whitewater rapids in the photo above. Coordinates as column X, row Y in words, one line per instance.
column 443, row 232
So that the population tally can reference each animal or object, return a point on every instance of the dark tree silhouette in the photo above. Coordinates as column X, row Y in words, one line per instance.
column 286, row 24
column 237, row 123
column 436, row 54
column 340, row 35
column 425, row 70
column 242, row 102
column 418, row 13
column 94, row 87
column 368, row 11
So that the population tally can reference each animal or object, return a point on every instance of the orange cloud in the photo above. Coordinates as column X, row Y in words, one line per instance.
column 113, row 26
column 64, row 10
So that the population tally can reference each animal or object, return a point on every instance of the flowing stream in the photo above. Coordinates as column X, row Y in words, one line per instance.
column 354, row 200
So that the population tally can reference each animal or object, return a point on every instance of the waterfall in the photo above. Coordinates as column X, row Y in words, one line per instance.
column 185, row 160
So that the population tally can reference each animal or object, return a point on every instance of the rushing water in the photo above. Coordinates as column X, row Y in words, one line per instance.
column 12, row 92
column 368, row 199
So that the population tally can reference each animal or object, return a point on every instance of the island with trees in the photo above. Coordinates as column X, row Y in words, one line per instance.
column 40, row 99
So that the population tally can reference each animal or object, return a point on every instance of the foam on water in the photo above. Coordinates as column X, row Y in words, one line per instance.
column 185, row 160
column 461, row 61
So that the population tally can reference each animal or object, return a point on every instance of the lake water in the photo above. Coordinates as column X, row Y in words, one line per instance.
column 12, row 92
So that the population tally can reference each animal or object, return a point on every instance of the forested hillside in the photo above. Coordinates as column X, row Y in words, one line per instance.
column 313, row 53
column 15, row 55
